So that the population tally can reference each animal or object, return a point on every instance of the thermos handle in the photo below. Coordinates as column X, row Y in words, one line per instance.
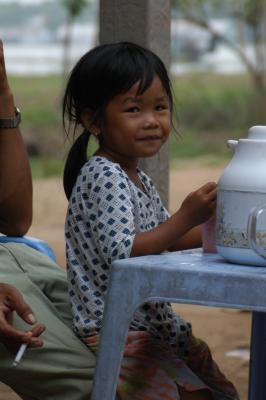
column 252, row 229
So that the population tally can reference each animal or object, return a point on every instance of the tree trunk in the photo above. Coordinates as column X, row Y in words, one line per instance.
column 146, row 22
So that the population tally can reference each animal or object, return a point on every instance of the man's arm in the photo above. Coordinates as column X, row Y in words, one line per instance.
column 15, row 175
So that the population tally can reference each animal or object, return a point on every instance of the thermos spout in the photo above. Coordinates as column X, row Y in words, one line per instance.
column 231, row 144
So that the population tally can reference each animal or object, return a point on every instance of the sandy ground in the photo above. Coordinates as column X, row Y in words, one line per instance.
column 224, row 330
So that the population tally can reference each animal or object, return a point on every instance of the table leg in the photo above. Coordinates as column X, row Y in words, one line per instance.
column 257, row 374
column 119, row 309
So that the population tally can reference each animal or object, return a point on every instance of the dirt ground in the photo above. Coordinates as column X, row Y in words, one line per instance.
column 224, row 330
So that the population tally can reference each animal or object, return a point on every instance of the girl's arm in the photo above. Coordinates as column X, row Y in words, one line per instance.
column 15, row 176
column 181, row 231
column 190, row 240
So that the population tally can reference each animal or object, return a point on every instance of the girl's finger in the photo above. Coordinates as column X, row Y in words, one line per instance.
column 208, row 187
column 212, row 195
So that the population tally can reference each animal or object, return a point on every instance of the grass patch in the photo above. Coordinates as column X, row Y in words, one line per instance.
column 39, row 99
column 210, row 102
column 192, row 144
column 46, row 167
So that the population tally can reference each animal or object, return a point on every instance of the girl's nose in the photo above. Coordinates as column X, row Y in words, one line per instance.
column 150, row 122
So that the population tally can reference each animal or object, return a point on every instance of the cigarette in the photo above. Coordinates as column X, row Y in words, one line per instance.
column 20, row 354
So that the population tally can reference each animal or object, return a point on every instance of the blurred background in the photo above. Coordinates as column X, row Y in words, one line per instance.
column 218, row 70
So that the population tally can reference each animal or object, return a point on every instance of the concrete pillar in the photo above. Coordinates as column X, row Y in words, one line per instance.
column 145, row 22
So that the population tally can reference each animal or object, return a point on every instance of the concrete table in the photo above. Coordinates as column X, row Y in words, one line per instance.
column 188, row 277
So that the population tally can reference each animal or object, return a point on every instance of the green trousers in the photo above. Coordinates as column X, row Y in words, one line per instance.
column 63, row 368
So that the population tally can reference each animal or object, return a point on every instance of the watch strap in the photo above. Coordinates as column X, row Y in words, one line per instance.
column 12, row 122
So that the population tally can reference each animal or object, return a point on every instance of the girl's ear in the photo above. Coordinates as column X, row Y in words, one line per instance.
column 89, row 122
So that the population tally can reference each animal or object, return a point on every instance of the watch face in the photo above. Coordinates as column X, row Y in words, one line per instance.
column 11, row 123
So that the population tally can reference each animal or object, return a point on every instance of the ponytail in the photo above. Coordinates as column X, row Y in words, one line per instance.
column 76, row 159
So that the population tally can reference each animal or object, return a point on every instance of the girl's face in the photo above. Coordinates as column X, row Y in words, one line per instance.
column 135, row 126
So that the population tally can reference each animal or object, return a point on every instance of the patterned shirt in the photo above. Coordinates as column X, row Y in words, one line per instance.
column 106, row 210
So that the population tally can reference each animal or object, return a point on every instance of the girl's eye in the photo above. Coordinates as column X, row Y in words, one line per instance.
column 133, row 110
column 161, row 107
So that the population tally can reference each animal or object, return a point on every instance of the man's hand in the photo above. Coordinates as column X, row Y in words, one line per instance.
column 12, row 300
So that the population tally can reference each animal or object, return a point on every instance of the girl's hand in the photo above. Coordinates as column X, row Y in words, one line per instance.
column 200, row 205
column 175, row 233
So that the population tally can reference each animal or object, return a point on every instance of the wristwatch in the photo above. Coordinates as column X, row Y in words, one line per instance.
column 12, row 122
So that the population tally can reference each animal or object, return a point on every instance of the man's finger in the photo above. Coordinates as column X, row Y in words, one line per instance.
column 10, row 332
column 15, row 301
column 33, row 339
column 37, row 330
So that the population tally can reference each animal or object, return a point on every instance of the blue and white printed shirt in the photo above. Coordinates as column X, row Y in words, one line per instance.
column 105, row 212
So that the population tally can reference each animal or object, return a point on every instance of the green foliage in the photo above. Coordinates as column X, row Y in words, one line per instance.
column 74, row 7
column 253, row 12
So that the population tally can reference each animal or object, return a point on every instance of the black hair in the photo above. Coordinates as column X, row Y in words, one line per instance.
column 101, row 74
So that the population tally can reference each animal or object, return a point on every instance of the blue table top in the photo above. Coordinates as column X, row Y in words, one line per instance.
column 193, row 259
column 195, row 277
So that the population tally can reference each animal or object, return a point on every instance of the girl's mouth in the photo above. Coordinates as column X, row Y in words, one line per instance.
column 149, row 138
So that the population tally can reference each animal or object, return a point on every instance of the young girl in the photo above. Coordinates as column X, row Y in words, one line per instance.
column 120, row 93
